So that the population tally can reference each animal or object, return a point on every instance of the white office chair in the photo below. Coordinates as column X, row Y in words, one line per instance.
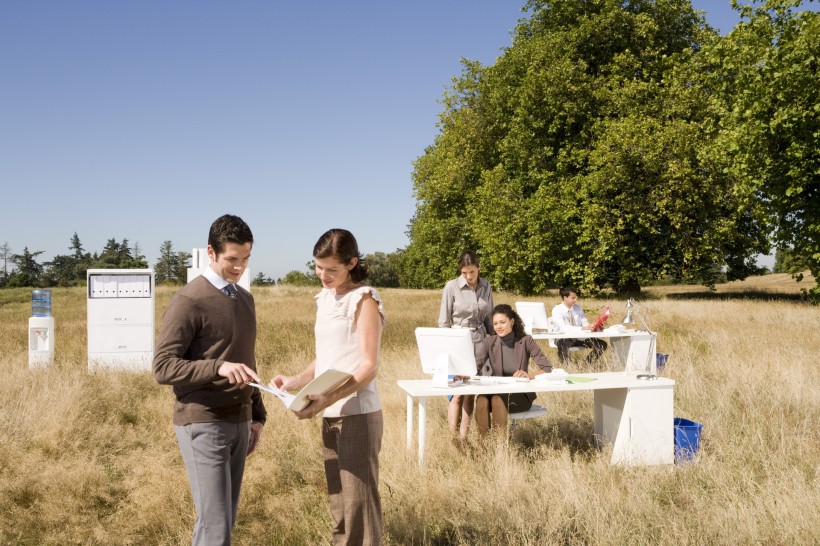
column 533, row 412
column 571, row 349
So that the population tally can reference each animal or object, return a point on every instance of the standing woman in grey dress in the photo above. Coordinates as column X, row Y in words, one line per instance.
column 466, row 302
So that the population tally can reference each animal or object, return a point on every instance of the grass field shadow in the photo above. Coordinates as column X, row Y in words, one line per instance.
column 753, row 295
column 574, row 435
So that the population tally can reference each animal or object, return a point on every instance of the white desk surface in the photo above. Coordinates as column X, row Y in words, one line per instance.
column 420, row 388
column 588, row 334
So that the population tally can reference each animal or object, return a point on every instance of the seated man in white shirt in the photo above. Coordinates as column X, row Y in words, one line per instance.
column 572, row 318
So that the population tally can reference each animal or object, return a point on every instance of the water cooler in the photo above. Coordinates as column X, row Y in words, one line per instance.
column 40, row 330
column 120, row 319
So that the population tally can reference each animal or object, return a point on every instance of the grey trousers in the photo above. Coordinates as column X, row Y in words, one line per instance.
column 214, row 456
column 351, row 452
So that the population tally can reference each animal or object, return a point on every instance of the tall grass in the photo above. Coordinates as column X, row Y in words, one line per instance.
column 92, row 458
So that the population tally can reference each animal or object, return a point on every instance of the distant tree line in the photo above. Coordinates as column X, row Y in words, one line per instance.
column 383, row 270
column 24, row 269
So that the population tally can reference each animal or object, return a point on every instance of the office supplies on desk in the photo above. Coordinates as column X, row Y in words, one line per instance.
column 558, row 375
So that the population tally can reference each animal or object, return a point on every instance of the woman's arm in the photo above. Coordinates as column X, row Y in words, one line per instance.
column 536, row 354
column 445, row 313
column 369, row 327
column 488, row 319
column 292, row 382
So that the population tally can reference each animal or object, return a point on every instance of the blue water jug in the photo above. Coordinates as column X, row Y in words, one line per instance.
column 41, row 303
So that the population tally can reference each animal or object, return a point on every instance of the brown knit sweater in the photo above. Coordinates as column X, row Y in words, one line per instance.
column 201, row 329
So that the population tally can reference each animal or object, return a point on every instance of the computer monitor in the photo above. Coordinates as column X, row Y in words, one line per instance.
column 451, row 345
column 534, row 315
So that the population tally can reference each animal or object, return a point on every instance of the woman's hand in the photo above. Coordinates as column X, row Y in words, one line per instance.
column 285, row 382
column 521, row 373
column 317, row 405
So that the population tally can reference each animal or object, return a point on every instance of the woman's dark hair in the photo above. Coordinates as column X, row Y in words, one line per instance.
column 518, row 324
column 228, row 229
column 468, row 257
column 342, row 245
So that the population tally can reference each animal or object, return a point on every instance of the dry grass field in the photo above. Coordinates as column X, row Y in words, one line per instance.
column 92, row 459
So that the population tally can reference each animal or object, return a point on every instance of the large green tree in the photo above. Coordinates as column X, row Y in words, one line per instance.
column 583, row 156
column 765, row 86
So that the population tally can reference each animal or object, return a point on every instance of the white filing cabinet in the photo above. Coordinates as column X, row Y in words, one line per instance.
column 120, row 319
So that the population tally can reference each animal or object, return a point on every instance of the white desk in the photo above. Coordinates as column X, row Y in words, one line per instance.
column 633, row 350
column 635, row 416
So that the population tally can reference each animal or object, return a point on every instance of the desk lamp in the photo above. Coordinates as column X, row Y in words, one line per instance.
column 628, row 319
column 632, row 308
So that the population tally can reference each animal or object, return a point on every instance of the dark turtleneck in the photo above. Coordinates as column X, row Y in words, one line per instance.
column 508, row 363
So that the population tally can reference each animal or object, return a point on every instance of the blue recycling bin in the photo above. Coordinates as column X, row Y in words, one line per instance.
column 687, row 439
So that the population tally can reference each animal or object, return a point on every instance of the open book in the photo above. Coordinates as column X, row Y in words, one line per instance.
column 325, row 382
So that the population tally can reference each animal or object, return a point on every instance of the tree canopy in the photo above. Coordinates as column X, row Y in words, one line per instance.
column 588, row 154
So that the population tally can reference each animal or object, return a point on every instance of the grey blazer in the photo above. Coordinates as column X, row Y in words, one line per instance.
column 488, row 358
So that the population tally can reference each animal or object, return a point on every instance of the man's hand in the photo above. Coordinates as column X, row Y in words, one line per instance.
column 256, row 434
column 237, row 373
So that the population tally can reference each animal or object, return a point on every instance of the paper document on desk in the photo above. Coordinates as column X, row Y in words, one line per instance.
column 576, row 379
column 558, row 375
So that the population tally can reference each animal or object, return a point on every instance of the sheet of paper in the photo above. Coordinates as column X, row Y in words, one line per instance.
column 285, row 397
column 576, row 379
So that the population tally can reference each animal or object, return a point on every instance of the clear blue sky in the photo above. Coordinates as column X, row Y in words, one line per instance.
column 146, row 120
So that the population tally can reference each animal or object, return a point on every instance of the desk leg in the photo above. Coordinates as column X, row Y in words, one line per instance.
column 422, row 426
column 636, row 352
column 409, row 421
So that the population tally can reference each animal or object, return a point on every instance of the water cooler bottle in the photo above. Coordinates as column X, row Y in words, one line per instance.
column 40, row 330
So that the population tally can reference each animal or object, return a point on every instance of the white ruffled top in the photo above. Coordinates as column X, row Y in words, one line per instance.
column 337, row 346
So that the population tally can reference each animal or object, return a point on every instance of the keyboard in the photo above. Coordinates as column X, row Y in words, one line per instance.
column 495, row 380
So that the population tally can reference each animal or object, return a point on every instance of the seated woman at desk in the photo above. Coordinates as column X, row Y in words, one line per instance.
column 506, row 354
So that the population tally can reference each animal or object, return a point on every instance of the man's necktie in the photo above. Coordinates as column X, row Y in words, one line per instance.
column 230, row 290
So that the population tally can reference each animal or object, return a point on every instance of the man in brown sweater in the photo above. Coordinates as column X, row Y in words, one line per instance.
column 206, row 351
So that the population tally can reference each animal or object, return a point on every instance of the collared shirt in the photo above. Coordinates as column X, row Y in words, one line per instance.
column 215, row 279
column 570, row 318
column 463, row 307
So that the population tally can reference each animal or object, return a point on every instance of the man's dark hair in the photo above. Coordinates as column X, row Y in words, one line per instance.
column 228, row 229
column 566, row 291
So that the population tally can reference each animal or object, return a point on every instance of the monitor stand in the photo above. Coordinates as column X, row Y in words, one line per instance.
column 441, row 373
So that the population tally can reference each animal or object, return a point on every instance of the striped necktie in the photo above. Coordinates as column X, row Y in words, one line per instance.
column 230, row 290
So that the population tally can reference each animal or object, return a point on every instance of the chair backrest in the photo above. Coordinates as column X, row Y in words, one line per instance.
column 533, row 313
